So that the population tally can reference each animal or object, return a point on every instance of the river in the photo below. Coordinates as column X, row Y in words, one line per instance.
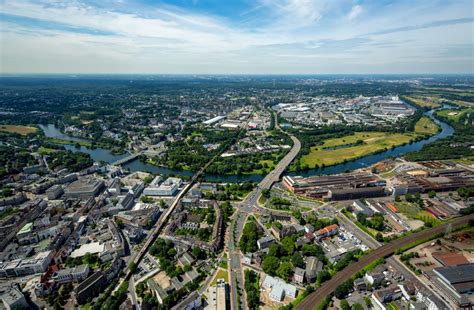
column 100, row 154
column 368, row 160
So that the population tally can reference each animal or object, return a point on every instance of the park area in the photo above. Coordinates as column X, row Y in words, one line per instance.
column 221, row 274
column 426, row 101
column 454, row 115
column 426, row 126
column 346, row 148
column 359, row 144
column 22, row 130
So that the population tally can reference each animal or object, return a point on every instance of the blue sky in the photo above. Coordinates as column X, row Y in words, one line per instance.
column 237, row 36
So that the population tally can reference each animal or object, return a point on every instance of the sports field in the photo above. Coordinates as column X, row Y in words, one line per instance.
column 350, row 147
column 22, row 130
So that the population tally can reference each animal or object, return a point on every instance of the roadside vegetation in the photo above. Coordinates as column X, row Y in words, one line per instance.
column 252, row 289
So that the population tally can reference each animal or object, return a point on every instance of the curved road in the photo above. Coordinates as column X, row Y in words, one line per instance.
column 315, row 298
column 247, row 206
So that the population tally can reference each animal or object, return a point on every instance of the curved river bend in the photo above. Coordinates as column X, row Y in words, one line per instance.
column 100, row 154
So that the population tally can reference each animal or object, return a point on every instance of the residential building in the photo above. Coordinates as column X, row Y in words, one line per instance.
column 265, row 242
column 279, row 288
column 313, row 266
column 90, row 287
column 298, row 275
column 75, row 274
column 12, row 298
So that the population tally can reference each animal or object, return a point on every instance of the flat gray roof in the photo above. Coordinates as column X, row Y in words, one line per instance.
column 457, row 274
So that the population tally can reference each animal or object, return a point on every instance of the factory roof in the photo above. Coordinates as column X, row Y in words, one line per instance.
column 457, row 274
column 450, row 259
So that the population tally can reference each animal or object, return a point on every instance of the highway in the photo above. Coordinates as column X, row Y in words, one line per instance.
column 247, row 206
column 327, row 288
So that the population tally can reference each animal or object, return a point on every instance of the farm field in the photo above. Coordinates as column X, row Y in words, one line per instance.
column 426, row 126
column 22, row 130
column 350, row 147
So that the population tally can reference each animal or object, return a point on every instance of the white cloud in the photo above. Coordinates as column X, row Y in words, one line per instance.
column 355, row 12
column 292, row 36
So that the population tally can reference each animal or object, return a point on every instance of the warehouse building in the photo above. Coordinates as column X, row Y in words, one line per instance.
column 459, row 282
column 337, row 187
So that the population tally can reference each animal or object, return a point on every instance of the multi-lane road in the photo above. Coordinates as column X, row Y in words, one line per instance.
column 244, row 208
column 327, row 288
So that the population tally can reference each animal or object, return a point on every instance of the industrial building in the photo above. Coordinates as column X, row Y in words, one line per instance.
column 214, row 120
column 459, row 282
column 337, row 187
column 437, row 180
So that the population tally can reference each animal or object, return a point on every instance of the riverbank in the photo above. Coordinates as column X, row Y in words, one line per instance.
column 360, row 144
column 105, row 155
column 365, row 161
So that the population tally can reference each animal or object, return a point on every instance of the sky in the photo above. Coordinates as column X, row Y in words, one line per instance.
column 237, row 36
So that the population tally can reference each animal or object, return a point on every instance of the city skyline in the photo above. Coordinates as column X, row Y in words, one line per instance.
column 237, row 37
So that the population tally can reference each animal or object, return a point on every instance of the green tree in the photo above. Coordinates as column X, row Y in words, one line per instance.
column 289, row 245
column 323, row 276
column 357, row 307
column 345, row 305
column 379, row 237
column 270, row 264
column 297, row 260
column 285, row 270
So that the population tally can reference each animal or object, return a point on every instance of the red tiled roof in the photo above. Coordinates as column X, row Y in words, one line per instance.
column 328, row 229
column 450, row 259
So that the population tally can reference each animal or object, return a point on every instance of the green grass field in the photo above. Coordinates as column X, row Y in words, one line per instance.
column 426, row 126
column 46, row 150
column 414, row 212
column 70, row 142
column 341, row 149
column 221, row 274
column 430, row 102
column 270, row 164
column 454, row 115
column 22, row 130
column 336, row 150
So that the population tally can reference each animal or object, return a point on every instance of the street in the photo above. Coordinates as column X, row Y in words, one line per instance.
column 247, row 206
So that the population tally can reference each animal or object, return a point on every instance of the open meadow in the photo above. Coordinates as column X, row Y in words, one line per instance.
column 22, row 130
column 346, row 148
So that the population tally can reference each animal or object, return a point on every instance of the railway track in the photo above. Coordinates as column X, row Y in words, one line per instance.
column 327, row 288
